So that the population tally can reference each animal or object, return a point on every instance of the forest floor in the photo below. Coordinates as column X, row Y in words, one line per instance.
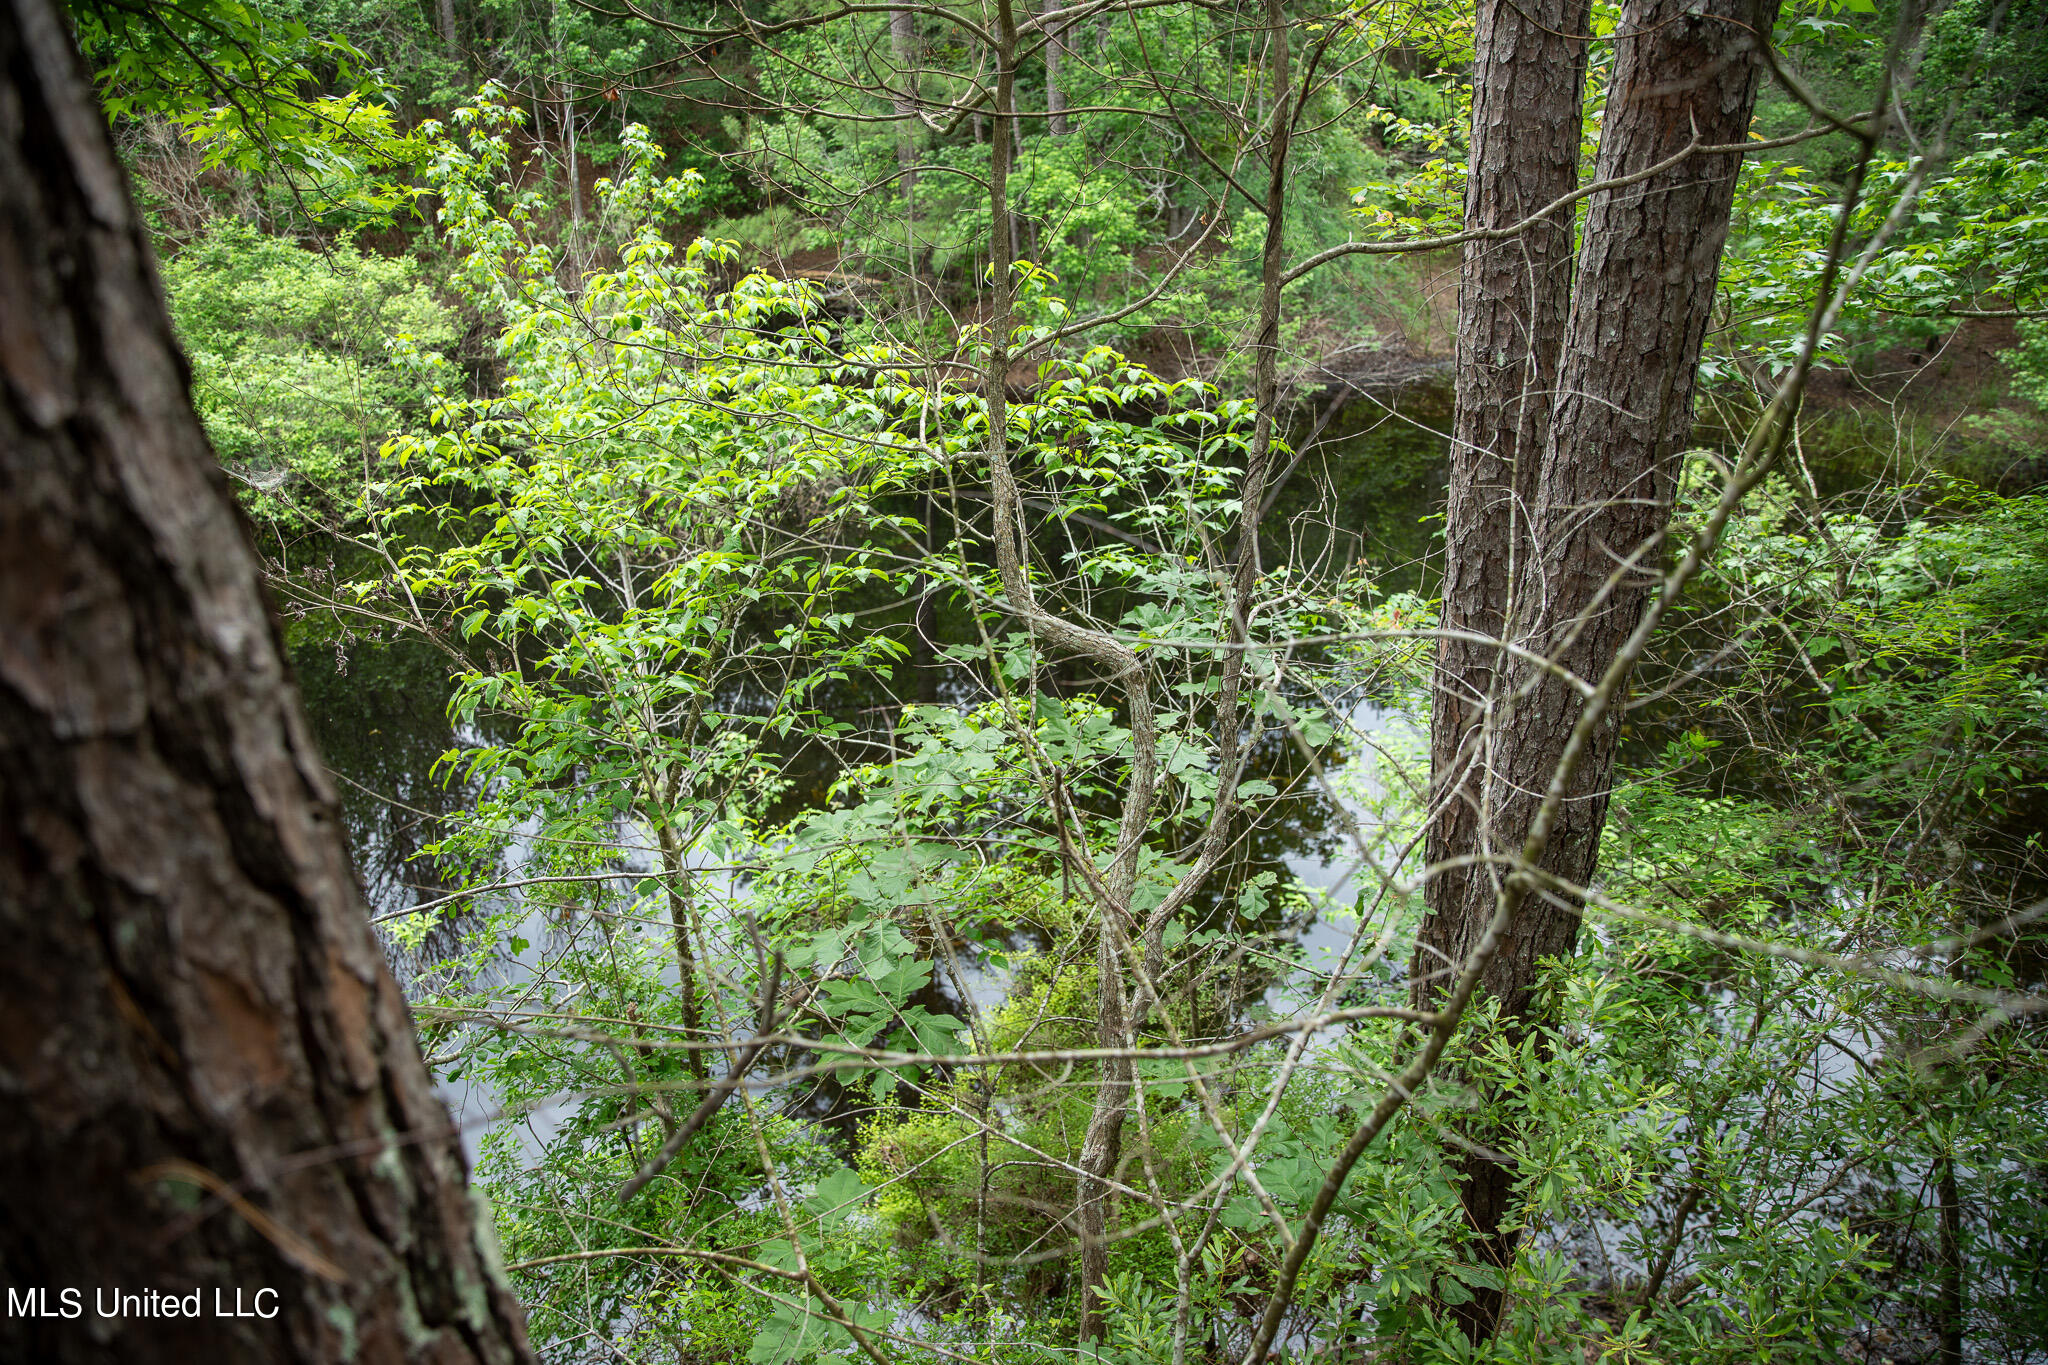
column 1946, row 403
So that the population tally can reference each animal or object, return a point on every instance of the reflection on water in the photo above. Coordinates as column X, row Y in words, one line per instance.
column 379, row 708
column 1362, row 494
column 1364, row 491
column 1359, row 491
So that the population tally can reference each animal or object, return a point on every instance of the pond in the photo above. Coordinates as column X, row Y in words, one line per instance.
column 1362, row 496
column 1361, row 493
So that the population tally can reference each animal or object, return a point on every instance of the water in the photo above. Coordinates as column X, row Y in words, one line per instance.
column 1359, row 493
column 1362, row 493
column 1359, row 498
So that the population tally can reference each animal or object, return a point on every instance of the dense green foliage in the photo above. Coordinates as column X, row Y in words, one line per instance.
column 292, row 355
column 684, row 466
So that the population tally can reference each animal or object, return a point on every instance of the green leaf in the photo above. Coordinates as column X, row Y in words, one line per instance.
column 836, row 1197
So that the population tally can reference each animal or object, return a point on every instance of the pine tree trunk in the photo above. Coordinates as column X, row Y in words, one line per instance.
column 1649, row 259
column 1528, row 85
column 192, row 1000
column 1582, row 532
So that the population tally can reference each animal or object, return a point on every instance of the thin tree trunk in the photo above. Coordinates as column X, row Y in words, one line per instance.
column 903, row 51
column 211, row 1078
column 1644, row 287
column 680, row 882
column 444, row 10
column 1023, row 229
column 1101, row 1143
column 1055, row 57
column 1951, row 1308
column 924, row 621
column 570, row 152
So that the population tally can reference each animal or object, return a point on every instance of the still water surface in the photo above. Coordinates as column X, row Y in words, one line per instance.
column 1362, row 495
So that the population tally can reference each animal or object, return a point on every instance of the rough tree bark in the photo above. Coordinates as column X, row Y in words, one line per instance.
column 210, row 1077
column 1528, row 85
column 1650, row 257
column 1583, row 529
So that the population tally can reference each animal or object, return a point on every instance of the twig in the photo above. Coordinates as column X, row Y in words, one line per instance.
column 717, row 1095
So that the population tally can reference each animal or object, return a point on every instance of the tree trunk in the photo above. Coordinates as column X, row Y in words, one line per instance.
column 574, row 159
column 1949, row 1318
column 924, row 620
column 1528, row 86
column 451, row 38
column 1648, row 263
column 1055, row 57
column 1547, row 550
column 903, row 51
column 211, row 1080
